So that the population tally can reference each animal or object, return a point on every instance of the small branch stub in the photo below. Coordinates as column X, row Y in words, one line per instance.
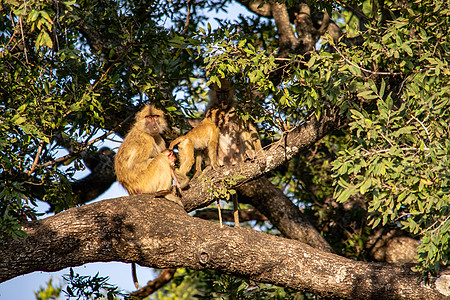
column 203, row 258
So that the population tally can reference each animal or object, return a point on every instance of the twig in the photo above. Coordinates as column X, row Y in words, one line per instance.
column 220, row 214
column 36, row 158
column 387, row 140
column 245, row 215
column 437, row 228
column 359, row 13
column 23, row 39
column 152, row 286
column 387, row 150
column 98, row 81
column 65, row 157
column 186, row 24
column 92, row 89
column 426, row 130
column 235, row 210
column 361, row 68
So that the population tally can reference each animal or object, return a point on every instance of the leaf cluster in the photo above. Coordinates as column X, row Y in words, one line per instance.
column 397, row 157
column 89, row 287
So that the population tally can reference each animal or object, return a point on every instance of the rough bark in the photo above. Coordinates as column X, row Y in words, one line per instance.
column 101, row 178
column 271, row 201
column 288, row 41
column 298, row 139
column 245, row 215
column 158, row 233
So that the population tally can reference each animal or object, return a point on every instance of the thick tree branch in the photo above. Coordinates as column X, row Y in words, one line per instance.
column 288, row 41
column 158, row 233
column 245, row 215
column 101, row 178
column 298, row 139
column 281, row 212
column 263, row 10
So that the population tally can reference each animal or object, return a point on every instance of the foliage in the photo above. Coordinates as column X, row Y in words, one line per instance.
column 56, row 93
column 88, row 287
column 224, row 192
column 398, row 153
column 73, row 71
column 188, row 284
column 50, row 292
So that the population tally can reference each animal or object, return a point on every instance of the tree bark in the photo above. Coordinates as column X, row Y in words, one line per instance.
column 158, row 233
column 299, row 138
column 245, row 215
column 282, row 213
column 164, row 277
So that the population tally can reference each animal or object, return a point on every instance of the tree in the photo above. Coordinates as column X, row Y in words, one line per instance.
column 352, row 107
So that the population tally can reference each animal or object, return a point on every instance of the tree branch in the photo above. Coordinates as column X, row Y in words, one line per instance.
column 154, row 285
column 282, row 213
column 288, row 41
column 263, row 10
column 101, row 178
column 157, row 233
column 245, row 215
column 298, row 139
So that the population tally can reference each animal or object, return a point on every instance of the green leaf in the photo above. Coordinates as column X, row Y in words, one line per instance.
column 382, row 88
column 368, row 94
column 347, row 193
column 356, row 114
column 311, row 61
column 19, row 120
column 46, row 16
column 407, row 49
column 33, row 16
column 171, row 108
column 44, row 39
column 365, row 186
column 69, row 3
column 376, row 222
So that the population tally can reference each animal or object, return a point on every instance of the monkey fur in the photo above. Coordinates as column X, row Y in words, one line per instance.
column 141, row 144
column 202, row 137
column 142, row 164
column 238, row 139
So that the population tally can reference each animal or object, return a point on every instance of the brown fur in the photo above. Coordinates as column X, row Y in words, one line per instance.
column 156, row 177
column 202, row 137
column 134, row 164
column 142, row 164
column 238, row 139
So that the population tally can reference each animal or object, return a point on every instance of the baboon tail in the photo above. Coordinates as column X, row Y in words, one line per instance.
column 134, row 275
